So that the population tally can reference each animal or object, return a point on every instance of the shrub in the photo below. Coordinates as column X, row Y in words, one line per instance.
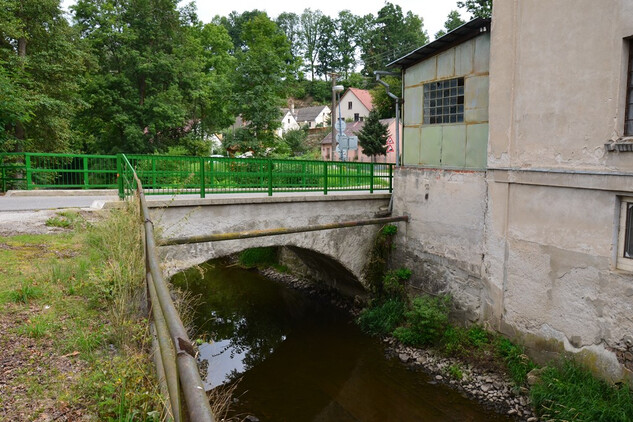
column 425, row 322
column 572, row 393
column 393, row 283
column 383, row 318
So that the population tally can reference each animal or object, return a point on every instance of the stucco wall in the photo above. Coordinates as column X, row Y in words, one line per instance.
column 357, row 107
column 455, row 145
column 558, row 75
column 557, row 79
column 444, row 240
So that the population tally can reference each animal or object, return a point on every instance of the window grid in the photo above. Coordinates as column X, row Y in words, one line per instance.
column 628, row 120
column 444, row 101
column 349, row 105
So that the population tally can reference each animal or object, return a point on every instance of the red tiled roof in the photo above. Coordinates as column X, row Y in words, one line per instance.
column 364, row 96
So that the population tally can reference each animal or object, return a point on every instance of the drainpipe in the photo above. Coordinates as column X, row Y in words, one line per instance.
column 379, row 73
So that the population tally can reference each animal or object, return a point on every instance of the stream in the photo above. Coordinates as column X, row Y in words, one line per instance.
column 298, row 358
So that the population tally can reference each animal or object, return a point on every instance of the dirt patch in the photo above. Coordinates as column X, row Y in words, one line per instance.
column 25, row 359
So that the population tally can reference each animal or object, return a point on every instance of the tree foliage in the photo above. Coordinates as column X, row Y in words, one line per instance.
column 453, row 21
column 478, row 8
column 384, row 105
column 41, row 68
column 373, row 136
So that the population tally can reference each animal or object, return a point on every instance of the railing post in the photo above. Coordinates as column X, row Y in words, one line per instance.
column 211, row 174
column 390, row 178
column 270, row 177
column 119, row 173
column 325, row 178
column 203, row 188
column 153, row 173
column 29, row 176
column 86, row 178
column 371, row 178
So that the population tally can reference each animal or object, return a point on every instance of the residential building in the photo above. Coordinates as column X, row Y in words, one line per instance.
column 357, row 155
column 521, row 201
column 355, row 105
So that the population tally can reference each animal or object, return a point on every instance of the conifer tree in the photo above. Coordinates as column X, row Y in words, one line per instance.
column 373, row 136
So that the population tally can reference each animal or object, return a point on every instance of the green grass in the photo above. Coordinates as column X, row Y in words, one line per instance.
column 64, row 219
column 78, row 294
column 425, row 321
column 27, row 292
column 570, row 393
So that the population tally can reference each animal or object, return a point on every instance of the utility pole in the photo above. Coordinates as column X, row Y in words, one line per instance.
column 334, row 75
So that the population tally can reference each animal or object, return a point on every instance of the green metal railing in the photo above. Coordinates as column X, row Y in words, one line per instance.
column 169, row 175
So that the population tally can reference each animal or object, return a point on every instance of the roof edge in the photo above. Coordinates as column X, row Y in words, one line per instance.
column 457, row 36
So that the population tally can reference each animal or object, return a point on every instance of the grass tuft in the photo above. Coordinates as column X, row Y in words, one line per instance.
column 569, row 392
column 25, row 293
column 382, row 318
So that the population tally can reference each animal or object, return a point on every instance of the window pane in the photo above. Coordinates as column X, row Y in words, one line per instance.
column 443, row 101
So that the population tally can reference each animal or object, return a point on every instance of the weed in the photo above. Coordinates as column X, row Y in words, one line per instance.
column 390, row 230
column 517, row 362
column 382, row 318
column 25, row 293
column 426, row 321
column 64, row 219
column 393, row 283
column 455, row 371
column 569, row 392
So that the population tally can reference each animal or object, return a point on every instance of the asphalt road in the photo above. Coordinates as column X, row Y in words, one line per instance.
column 30, row 203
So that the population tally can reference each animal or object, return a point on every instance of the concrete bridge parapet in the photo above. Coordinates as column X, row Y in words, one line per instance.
column 342, row 254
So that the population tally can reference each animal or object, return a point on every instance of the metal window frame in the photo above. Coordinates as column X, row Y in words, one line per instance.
column 625, row 238
column 433, row 102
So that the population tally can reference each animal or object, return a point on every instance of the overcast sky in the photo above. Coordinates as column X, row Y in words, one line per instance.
column 434, row 12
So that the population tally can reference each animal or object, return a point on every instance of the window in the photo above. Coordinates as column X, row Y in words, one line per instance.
column 628, row 118
column 625, row 247
column 349, row 105
column 356, row 117
column 444, row 101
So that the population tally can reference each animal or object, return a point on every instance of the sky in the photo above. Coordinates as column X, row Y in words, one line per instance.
column 434, row 12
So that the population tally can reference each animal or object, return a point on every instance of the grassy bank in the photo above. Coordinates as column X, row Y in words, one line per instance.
column 74, row 335
column 562, row 391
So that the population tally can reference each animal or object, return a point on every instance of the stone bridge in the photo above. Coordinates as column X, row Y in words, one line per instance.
column 335, row 256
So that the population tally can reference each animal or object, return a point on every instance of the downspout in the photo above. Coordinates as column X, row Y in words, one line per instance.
column 378, row 73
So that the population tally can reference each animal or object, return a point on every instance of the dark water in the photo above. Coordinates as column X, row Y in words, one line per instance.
column 302, row 360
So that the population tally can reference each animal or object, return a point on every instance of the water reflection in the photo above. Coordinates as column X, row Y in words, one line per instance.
column 300, row 360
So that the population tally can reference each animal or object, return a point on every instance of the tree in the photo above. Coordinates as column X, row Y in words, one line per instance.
column 291, row 25
column 147, row 74
column 41, row 67
column 383, row 104
column 453, row 21
column 326, row 47
column 390, row 35
column 261, row 70
column 346, row 43
column 373, row 136
column 478, row 8
column 312, row 31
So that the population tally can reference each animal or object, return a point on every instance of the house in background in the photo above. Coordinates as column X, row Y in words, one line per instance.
column 288, row 122
column 352, row 129
column 316, row 116
column 355, row 105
